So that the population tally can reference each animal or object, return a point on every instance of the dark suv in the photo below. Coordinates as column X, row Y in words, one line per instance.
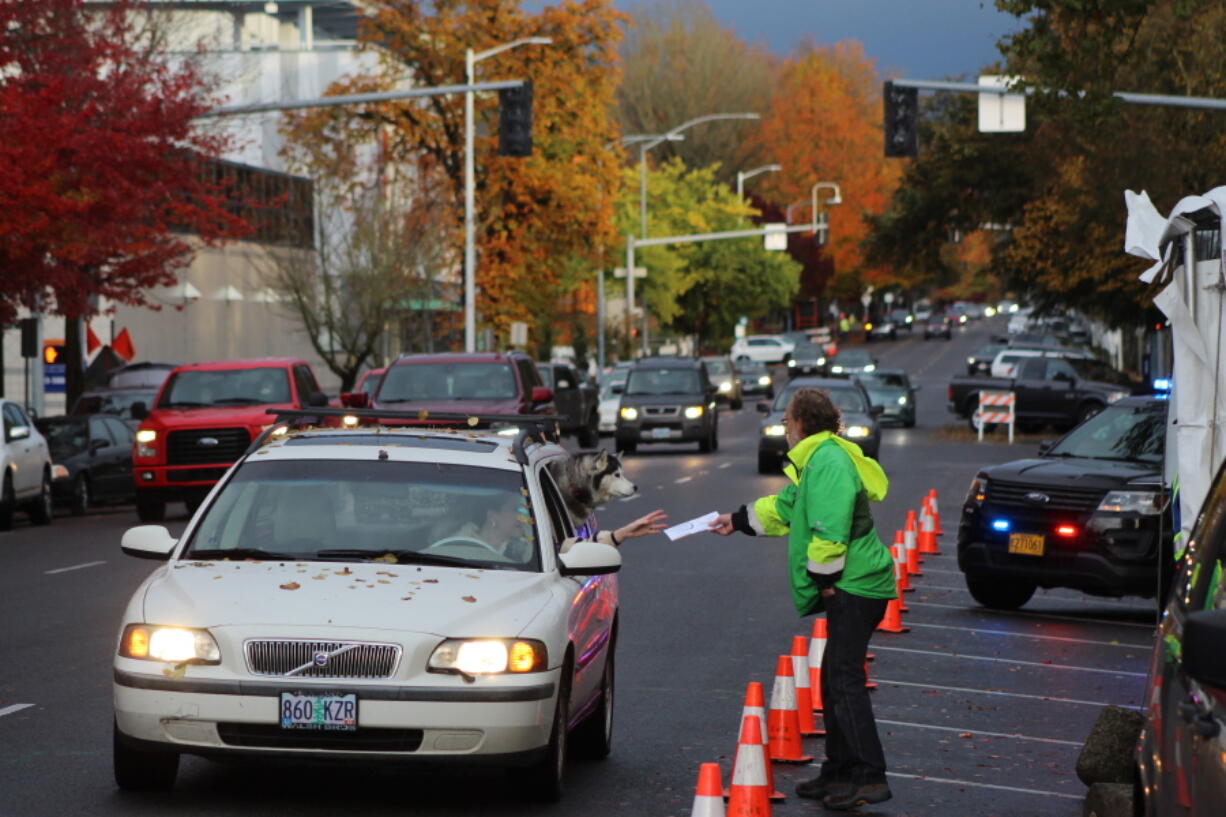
column 668, row 400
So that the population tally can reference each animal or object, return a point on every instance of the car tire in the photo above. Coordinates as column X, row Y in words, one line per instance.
column 150, row 510
column 42, row 510
column 543, row 780
column 998, row 593
column 80, row 495
column 768, row 464
column 8, row 503
column 140, row 769
column 593, row 739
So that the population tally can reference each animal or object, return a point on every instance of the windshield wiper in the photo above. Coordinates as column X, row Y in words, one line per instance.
column 245, row 553
column 248, row 401
column 184, row 404
column 402, row 556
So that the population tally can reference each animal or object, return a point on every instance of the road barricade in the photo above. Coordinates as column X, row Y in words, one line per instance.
column 996, row 407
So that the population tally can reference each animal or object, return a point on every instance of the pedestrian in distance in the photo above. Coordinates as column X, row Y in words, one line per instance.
column 837, row 564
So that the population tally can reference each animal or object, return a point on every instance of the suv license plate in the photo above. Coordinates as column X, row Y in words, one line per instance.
column 1028, row 544
column 326, row 711
column 661, row 433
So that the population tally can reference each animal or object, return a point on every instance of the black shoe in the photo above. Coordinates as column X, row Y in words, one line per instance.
column 858, row 796
column 819, row 788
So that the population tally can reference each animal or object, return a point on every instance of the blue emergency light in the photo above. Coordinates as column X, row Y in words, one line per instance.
column 1000, row 524
column 1163, row 384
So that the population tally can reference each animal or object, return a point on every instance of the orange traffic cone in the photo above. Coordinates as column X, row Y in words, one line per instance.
column 927, row 532
column 804, row 696
column 900, row 578
column 782, row 722
column 755, row 706
column 936, row 511
column 749, row 794
column 911, row 546
column 899, row 551
column 869, row 684
column 708, row 799
column 817, row 647
column 892, row 622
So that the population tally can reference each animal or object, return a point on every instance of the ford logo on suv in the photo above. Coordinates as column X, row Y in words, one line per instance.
column 207, row 442
column 1038, row 498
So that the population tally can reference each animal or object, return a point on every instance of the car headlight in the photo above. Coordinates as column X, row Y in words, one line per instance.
column 764, row 380
column 856, row 432
column 774, row 430
column 910, row 319
column 836, row 369
column 629, row 413
column 175, row 645
column 145, row 439
column 693, row 412
column 902, row 401
column 1149, row 503
column 791, row 362
column 821, row 361
column 970, row 361
column 485, row 656
column 978, row 490
column 1116, row 395
column 870, row 368
column 726, row 386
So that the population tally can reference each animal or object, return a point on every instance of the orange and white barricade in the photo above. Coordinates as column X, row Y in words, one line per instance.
column 996, row 407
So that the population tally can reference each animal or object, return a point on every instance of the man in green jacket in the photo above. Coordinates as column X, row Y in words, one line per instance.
column 837, row 564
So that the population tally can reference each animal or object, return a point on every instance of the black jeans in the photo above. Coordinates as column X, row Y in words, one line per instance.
column 853, row 748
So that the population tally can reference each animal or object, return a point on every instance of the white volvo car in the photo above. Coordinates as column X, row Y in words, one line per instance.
column 391, row 594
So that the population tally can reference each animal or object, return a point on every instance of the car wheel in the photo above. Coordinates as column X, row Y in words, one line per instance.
column 544, row 778
column 1000, row 594
column 42, row 509
column 594, row 737
column 80, row 495
column 8, row 503
column 149, row 509
column 140, row 769
column 768, row 464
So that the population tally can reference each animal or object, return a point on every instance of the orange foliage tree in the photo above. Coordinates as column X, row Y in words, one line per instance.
column 824, row 124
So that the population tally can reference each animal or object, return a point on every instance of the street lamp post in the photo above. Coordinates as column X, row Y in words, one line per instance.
column 837, row 198
column 742, row 175
column 470, row 250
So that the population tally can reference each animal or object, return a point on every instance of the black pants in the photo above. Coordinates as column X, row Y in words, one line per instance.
column 853, row 748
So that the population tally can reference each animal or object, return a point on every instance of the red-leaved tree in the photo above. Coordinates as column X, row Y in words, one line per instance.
column 101, row 182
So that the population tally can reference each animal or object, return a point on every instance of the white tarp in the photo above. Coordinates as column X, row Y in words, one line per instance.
column 1192, row 302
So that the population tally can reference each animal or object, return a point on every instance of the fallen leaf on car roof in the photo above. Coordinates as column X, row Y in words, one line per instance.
column 382, row 581
column 386, row 573
column 423, row 414
column 291, row 586
column 469, row 599
column 387, row 558
column 320, row 576
column 431, row 581
column 527, row 520
column 472, row 422
column 406, row 598
column 965, row 735
column 344, row 572
column 471, row 576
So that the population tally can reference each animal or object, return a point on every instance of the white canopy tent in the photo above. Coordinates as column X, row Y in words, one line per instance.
column 1189, row 268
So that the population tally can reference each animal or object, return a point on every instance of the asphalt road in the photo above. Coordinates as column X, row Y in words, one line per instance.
column 981, row 712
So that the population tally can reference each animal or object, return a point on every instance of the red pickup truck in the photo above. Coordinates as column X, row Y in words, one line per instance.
column 202, row 420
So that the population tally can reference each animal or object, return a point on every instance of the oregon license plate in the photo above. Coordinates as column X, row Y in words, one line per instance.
column 327, row 711
column 661, row 433
column 1028, row 544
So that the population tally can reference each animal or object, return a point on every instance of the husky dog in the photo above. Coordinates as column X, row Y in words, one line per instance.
column 589, row 479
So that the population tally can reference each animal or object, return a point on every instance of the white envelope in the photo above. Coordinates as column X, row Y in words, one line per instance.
column 700, row 525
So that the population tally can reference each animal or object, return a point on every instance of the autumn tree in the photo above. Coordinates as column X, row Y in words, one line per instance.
column 101, row 186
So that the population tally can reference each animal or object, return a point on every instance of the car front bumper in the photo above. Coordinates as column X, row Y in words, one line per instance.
column 663, row 431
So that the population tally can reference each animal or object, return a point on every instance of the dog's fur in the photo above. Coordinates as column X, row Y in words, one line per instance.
column 589, row 479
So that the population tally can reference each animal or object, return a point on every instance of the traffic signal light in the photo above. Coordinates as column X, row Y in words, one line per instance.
column 515, row 121
column 53, row 351
column 901, row 120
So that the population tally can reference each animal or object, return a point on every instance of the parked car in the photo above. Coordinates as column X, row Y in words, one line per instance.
column 25, row 462
column 204, row 417
column 807, row 359
column 1063, row 392
column 939, row 325
column 755, row 378
column 1007, row 359
column 146, row 374
column 884, row 329
column 91, row 458
column 124, row 403
column 859, row 419
column 922, row 312
column 763, row 348
column 1089, row 513
column 850, row 362
column 576, row 400
column 893, row 392
column 348, row 596
column 369, row 381
column 727, row 385
column 612, row 384
column 980, row 362
column 668, row 400
column 902, row 319
column 1179, row 753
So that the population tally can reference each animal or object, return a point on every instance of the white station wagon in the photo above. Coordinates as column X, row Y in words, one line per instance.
column 392, row 594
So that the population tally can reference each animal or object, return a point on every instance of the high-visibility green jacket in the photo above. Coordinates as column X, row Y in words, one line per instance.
column 825, row 514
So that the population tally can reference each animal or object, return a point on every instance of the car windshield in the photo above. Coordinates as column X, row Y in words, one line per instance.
column 617, row 377
column 1096, row 370
column 117, row 403
column 226, row 387
column 853, row 357
column 1118, row 433
column 843, row 399
column 751, row 367
column 807, row 351
column 417, row 382
column 888, row 379
column 717, row 366
column 367, row 510
column 64, row 437
column 988, row 352
column 663, row 381
column 371, row 383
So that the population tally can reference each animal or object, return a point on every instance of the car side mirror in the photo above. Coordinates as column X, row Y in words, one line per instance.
column 18, row 433
column 1204, row 632
column 97, row 445
column 617, row 388
column 541, row 394
column 763, row 407
column 587, row 558
column 148, row 542
column 355, row 399
column 876, row 411
column 1045, row 446
column 317, row 399
column 138, row 410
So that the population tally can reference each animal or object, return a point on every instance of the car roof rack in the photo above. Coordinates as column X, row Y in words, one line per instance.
column 533, row 427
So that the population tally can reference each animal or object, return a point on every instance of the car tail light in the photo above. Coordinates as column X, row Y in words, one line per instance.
column 1067, row 531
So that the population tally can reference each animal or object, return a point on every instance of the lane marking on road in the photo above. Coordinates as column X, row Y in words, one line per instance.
column 73, row 567
column 952, row 782
column 682, row 480
column 725, row 465
column 1002, row 693
column 980, row 732
column 10, row 709
column 1029, row 614
column 630, row 498
column 1019, row 662
column 1032, row 635
column 1108, row 602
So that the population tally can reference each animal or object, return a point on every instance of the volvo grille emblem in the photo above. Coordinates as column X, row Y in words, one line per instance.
column 1038, row 498
column 208, row 442
column 321, row 659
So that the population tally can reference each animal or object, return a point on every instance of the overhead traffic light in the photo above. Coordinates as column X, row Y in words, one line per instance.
column 901, row 121
column 53, row 351
column 515, row 121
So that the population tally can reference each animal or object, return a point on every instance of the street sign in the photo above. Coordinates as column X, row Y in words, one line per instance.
column 776, row 237
column 519, row 333
column 639, row 272
column 888, row 298
column 1001, row 113
column 55, row 378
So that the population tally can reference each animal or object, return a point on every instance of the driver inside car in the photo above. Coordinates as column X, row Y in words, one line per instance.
column 505, row 527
